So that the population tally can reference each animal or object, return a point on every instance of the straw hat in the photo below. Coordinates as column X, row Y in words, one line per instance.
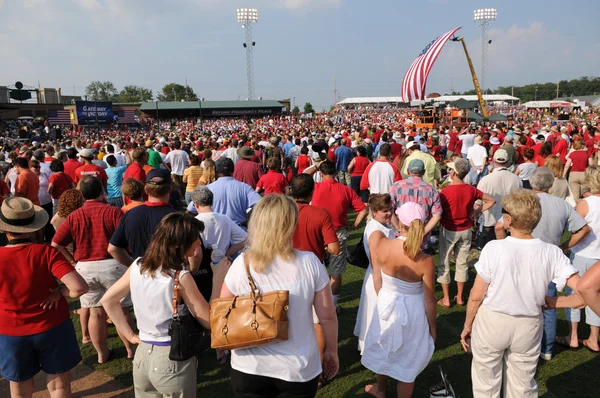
column 20, row 216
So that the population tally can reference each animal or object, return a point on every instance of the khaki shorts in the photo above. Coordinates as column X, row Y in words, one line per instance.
column 100, row 275
column 337, row 264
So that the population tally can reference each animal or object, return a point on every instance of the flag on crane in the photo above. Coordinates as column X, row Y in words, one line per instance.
column 415, row 79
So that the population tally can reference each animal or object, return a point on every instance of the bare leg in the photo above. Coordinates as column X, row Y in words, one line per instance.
column 84, row 319
column 22, row 389
column 573, row 334
column 128, row 346
column 446, row 290
column 405, row 390
column 99, row 333
column 460, row 298
column 59, row 386
column 378, row 390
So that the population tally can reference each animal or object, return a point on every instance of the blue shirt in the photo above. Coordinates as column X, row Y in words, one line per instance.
column 232, row 198
column 115, row 180
column 287, row 147
column 343, row 156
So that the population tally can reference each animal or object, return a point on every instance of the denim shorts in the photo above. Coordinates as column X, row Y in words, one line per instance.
column 54, row 351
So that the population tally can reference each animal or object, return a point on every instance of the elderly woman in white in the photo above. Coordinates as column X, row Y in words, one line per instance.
column 504, row 314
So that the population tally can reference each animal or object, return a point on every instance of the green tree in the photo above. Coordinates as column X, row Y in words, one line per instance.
column 177, row 92
column 296, row 110
column 101, row 91
column 308, row 108
column 135, row 94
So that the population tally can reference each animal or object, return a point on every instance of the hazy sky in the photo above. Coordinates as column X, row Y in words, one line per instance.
column 301, row 45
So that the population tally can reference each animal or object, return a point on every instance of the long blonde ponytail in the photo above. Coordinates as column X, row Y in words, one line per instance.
column 414, row 238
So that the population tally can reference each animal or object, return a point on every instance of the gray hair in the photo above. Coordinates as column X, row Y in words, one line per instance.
column 202, row 196
column 461, row 168
column 541, row 179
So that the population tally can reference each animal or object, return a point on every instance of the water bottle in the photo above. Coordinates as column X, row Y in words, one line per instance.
column 216, row 255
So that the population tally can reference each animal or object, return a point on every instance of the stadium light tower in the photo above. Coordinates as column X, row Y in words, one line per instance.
column 247, row 16
column 485, row 17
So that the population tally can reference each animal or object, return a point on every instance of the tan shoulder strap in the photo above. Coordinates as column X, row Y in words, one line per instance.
column 176, row 293
column 254, row 291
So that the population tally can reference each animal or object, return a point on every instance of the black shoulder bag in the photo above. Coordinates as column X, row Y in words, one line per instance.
column 358, row 255
column 188, row 337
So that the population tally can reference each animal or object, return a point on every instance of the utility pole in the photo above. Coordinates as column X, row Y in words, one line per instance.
column 186, row 89
column 512, row 91
column 334, row 91
column 557, row 87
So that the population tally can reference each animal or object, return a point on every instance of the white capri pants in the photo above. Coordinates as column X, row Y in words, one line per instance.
column 506, row 350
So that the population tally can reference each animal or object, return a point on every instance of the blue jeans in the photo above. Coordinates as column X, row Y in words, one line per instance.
column 549, row 324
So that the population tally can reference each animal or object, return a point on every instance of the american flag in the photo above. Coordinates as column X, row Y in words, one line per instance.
column 59, row 116
column 415, row 80
column 127, row 117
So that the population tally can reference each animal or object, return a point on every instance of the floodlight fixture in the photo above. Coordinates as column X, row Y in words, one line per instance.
column 484, row 16
column 246, row 16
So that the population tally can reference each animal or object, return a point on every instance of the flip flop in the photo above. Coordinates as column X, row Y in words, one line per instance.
column 564, row 342
column 584, row 343
column 440, row 302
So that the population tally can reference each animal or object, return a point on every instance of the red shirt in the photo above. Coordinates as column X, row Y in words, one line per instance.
column 62, row 182
column 28, row 273
column 70, row 166
column 135, row 171
column 579, row 159
column 360, row 165
column 272, row 182
column 337, row 199
column 27, row 186
column 303, row 163
column 91, row 228
column 314, row 230
column 396, row 149
column 248, row 172
column 457, row 206
column 560, row 149
column 331, row 154
column 49, row 159
column 91, row 170
column 537, row 148
column 452, row 141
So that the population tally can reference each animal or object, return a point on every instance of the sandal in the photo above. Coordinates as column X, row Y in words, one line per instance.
column 585, row 344
column 565, row 341
column 440, row 302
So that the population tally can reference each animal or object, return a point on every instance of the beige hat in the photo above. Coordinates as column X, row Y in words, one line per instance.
column 20, row 216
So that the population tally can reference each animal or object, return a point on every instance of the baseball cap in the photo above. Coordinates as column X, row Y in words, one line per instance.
column 149, row 143
column 224, row 166
column 158, row 177
column 501, row 156
column 87, row 153
column 416, row 166
column 412, row 144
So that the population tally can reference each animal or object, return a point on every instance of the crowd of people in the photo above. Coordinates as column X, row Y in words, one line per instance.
column 114, row 217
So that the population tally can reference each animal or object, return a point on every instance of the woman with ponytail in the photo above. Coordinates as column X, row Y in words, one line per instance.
column 401, row 336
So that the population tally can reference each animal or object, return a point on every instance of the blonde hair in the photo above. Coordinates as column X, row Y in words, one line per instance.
column 209, row 173
column 555, row 165
column 270, row 231
column 592, row 178
column 524, row 207
column 414, row 239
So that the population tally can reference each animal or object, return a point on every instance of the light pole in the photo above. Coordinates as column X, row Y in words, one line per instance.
column 200, row 107
column 246, row 16
column 536, row 94
column 157, row 119
column 485, row 17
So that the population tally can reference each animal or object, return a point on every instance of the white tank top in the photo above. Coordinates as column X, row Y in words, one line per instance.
column 152, row 302
column 589, row 246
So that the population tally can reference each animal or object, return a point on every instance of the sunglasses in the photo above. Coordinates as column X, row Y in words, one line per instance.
column 506, row 212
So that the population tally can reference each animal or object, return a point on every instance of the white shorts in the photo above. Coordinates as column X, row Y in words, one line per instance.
column 100, row 275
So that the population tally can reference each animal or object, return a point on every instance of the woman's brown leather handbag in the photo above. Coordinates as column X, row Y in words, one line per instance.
column 249, row 321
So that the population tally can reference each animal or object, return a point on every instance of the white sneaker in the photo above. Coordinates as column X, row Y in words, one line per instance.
column 546, row 356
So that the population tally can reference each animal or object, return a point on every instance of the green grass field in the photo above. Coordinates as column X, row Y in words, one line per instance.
column 568, row 374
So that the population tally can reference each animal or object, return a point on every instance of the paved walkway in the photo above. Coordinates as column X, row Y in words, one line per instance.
column 86, row 383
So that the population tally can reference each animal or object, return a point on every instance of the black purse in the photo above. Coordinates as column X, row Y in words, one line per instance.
column 188, row 337
column 358, row 256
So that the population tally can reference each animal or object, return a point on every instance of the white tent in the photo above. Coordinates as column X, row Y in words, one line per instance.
column 548, row 104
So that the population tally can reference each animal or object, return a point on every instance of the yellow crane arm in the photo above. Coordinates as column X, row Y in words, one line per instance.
column 484, row 110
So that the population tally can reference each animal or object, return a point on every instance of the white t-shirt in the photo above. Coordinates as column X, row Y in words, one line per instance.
column 476, row 153
column 467, row 142
column 179, row 161
column 518, row 272
column 231, row 153
column 297, row 359
column 220, row 230
column 152, row 302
